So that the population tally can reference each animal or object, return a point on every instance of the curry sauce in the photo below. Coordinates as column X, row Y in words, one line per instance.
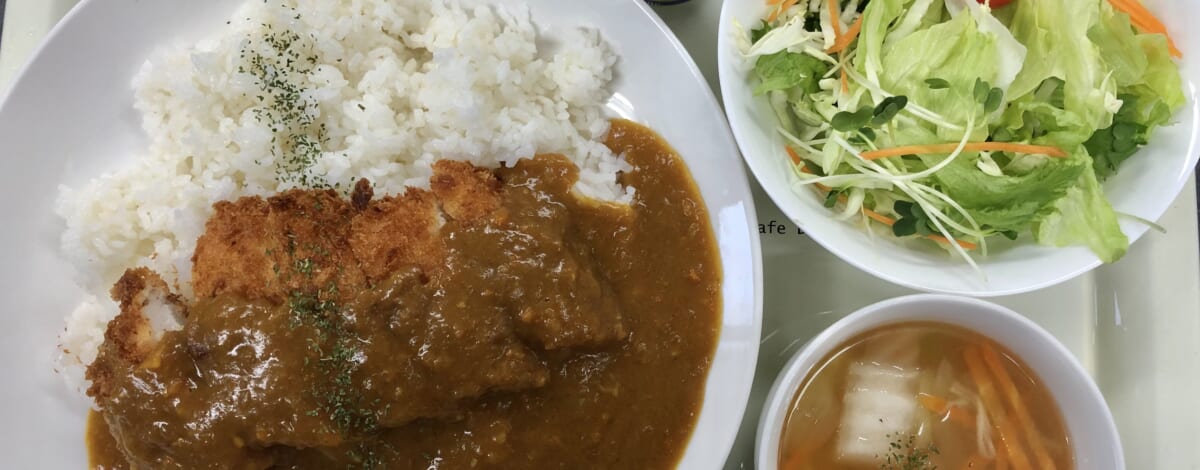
column 548, row 331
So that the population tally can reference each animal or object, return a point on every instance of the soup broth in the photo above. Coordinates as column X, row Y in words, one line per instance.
column 919, row 396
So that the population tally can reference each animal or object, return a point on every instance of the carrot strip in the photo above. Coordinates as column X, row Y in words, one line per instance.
column 835, row 19
column 805, row 451
column 1138, row 12
column 804, row 169
column 1001, row 457
column 835, row 22
column 963, row 243
column 1152, row 26
column 782, row 8
column 883, row 219
column 1146, row 22
column 946, row 411
column 995, row 364
column 933, row 403
column 1147, row 27
column 795, row 158
column 845, row 40
column 971, row 147
column 773, row 2
column 995, row 409
column 1174, row 50
column 975, row 462
column 795, row 461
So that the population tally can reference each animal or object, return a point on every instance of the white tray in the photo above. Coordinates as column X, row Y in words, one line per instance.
column 1135, row 325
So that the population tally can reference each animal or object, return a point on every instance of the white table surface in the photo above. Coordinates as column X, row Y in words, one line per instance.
column 1135, row 324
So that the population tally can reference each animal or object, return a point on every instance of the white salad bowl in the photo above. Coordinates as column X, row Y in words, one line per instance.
column 1144, row 187
column 1089, row 423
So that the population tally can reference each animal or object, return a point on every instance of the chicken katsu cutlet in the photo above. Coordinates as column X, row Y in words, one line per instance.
column 498, row 320
column 319, row 320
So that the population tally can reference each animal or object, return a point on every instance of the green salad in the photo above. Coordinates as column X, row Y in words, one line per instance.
column 957, row 121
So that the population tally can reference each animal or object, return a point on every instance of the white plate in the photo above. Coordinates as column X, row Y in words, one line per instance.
column 69, row 115
column 1145, row 186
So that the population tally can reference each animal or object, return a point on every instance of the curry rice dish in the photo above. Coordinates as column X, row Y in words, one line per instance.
column 496, row 320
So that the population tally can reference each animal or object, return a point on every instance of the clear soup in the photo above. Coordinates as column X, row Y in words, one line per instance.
column 920, row 396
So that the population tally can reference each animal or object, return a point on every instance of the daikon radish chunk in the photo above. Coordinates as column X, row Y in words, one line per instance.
column 880, row 401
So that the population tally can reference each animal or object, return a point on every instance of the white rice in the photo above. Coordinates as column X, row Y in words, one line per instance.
column 397, row 84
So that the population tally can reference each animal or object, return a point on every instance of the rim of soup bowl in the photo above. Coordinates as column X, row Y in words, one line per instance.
column 1091, row 429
